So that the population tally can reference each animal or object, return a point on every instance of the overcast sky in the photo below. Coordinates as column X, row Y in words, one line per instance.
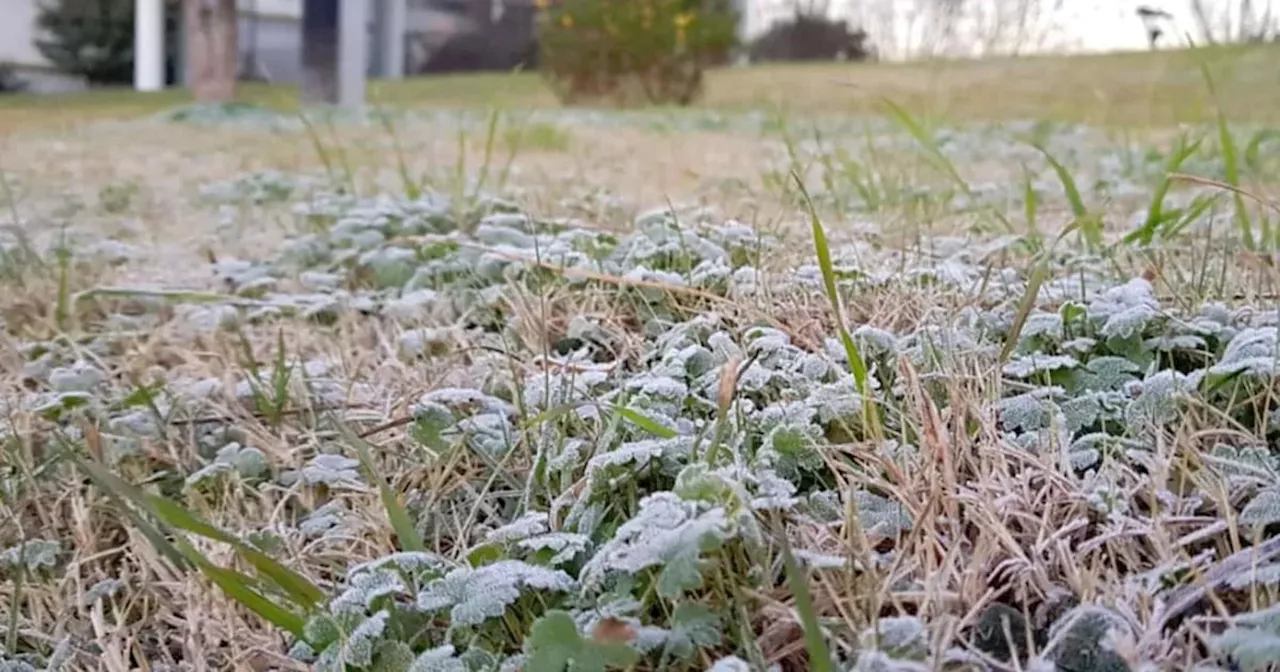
column 1089, row 25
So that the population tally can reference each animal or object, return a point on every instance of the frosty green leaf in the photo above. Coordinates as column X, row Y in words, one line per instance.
column 693, row 625
column 1029, row 365
column 1263, row 509
column 32, row 556
column 667, row 532
column 530, row 524
column 439, row 659
column 356, row 648
column 476, row 595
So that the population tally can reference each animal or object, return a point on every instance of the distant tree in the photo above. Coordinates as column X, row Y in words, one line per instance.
column 810, row 36
column 1151, row 20
column 93, row 38
column 89, row 38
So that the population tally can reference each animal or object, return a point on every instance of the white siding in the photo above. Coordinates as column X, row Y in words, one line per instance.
column 17, row 34
column 18, row 48
column 285, row 9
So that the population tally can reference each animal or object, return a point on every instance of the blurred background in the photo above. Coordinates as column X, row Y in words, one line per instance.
column 58, row 45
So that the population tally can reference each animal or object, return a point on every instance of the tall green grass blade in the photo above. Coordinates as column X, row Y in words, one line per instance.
column 926, row 140
column 1187, row 216
column 412, row 189
column 814, row 643
column 322, row 152
column 172, row 514
column 1025, row 306
column 857, row 365
column 1069, row 188
column 401, row 521
column 237, row 587
column 1230, row 164
column 115, row 488
column 1156, row 215
column 490, row 139
column 1088, row 224
column 302, row 591
column 1030, row 204
column 1253, row 151
column 62, row 309
column 183, row 556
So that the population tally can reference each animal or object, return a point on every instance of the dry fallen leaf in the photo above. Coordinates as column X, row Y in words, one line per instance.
column 610, row 630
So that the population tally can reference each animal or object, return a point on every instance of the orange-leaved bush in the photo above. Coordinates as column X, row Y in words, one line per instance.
column 633, row 51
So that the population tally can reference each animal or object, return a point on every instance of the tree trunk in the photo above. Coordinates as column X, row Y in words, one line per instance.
column 212, row 49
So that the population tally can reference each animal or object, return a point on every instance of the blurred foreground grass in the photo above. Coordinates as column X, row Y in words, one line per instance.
column 1137, row 89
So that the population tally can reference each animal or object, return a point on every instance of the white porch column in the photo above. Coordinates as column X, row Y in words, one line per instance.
column 389, row 21
column 353, row 52
column 148, row 45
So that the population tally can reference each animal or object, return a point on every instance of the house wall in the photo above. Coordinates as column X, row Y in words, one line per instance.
column 18, row 49
column 272, row 37
column 16, row 43
column 290, row 9
column 274, row 44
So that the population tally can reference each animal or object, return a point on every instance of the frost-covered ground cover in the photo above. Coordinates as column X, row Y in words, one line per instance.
column 945, row 407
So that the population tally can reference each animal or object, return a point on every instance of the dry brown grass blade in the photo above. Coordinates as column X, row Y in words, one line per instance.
column 286, row 413
column 934, row 437
column 1209, row 182
column 728, row 383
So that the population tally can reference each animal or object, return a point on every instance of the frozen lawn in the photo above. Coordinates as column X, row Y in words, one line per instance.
column 466, row 392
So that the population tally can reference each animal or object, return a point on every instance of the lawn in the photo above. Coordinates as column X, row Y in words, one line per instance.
column 1138, row 89
column 965, row 366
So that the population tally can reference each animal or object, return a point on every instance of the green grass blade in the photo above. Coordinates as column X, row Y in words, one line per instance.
column 1253, row 151
column 856, row 363
column 925, row 139
column 234, row 584
column 645, row 422
column 1069, row 187
column 118, row 490
column 62, row 308
column 857, row 366
column 237, row 587
column 1155, row 209
column 401, row 521
column 1090, row 226
column 1030, row 204
column 814, row 643
column 302, row 591
column 1230, row 163
column 170, row 513
column 1025, row 306
column 553, row 413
